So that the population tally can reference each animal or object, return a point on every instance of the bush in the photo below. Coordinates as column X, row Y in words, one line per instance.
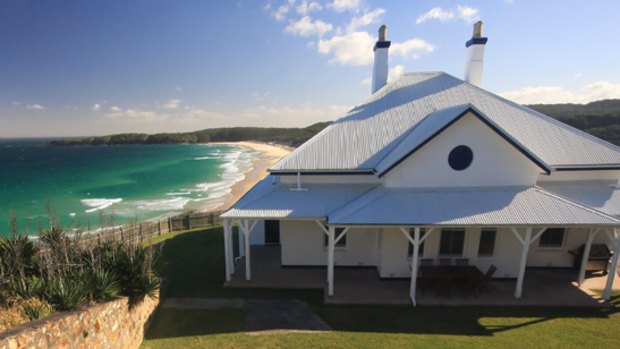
column 66, row 294
column 103, row 285
column 62, row 272
column 36, row 309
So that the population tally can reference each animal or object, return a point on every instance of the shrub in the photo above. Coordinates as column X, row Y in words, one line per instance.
column 28, row 288
column 66, row 293
column 36, row 309
column 103, row 285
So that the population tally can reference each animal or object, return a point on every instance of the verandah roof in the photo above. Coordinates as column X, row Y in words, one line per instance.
column 494, row 206
column 279, row 201
column 371, row 205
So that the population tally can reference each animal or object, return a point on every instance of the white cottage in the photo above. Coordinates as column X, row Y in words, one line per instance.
column 433, row 167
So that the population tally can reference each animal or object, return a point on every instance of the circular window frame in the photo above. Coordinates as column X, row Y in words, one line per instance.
column 460, row 157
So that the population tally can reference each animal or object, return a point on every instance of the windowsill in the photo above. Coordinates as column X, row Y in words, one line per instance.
column 551, row 248
column 486, row 257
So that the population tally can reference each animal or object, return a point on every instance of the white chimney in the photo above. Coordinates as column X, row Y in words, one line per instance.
column 475, row 56
column 380, row 69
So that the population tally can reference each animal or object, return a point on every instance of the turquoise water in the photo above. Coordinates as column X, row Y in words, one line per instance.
column 116, row 184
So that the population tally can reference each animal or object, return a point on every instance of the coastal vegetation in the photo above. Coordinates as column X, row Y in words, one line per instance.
column 600, row 118
column 287, row 136
column 60, row 271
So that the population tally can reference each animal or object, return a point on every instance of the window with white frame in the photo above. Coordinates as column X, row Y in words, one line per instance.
column 452, row 242
column 552, row 238
column 486, row 246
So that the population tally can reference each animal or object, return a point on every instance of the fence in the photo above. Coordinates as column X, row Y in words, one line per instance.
column 138, row 232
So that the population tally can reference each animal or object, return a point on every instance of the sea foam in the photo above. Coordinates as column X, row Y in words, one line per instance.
column 99, row 204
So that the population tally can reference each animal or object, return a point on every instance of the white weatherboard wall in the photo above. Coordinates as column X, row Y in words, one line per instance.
column 559, row 257
column 257, row 236
column 496, row 162
column 393, row 261
column 303, row 244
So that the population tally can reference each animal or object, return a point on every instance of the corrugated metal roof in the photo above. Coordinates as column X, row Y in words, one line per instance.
column 370, row 131
column 601, row 195
column 510, row 206
column 280, row 201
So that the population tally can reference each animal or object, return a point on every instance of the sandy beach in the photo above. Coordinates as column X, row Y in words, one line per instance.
column 270, row 154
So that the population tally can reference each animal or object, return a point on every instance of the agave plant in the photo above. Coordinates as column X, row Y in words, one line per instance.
column 134, row 267
column 28, row 288
column 66, row 293
column 103, row 285
column 17, row 258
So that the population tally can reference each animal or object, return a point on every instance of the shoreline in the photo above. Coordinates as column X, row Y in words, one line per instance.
column 269, row 155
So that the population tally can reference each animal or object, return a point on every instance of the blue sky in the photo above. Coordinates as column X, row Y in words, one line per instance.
column 99, row 67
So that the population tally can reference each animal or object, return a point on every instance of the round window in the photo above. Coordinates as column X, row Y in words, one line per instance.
column 460, row 158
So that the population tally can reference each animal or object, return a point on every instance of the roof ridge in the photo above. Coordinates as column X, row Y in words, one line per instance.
column 576, row 204
column 543, row 116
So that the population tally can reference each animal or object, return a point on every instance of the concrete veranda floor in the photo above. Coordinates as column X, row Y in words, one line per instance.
column 542, row 287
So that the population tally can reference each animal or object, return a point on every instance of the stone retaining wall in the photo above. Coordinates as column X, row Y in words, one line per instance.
column 108, row 325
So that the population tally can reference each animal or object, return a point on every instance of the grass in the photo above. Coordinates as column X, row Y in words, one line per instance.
column 194, row 263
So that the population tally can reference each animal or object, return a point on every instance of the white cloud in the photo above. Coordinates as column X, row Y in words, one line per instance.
column 353, row 48
column 396, row 72
column 465, row 13
column 345, row 5
column 172, row 104
column 412, row 48
column 307, row 27
column 306, row 7
column 436, row 13
column 557, row 94
column 96, row 107
column 35, row 107
column 134, row 115
column 280, row 13
column 393, row 74
column 297, row 116
column 365, row 20
column 15, row 103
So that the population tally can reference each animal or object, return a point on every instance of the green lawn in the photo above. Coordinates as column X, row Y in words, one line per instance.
column 193, row 262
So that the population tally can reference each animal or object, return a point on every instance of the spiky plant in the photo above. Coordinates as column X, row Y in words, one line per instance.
column 103, row 285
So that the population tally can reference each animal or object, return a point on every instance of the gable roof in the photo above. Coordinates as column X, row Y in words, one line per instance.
column 361, row 140
column 435, row 123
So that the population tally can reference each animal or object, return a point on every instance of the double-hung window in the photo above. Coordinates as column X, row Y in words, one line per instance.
column 452, row 242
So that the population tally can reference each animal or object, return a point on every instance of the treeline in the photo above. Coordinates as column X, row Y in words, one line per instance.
column 288, row 136
column 600, row 118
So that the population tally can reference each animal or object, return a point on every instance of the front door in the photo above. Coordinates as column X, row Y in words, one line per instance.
column 272, row 232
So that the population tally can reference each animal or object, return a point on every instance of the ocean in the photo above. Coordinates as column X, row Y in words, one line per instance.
column 87, row 186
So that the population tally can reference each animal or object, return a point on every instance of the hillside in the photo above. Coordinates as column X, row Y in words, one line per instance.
column 600, row 118
column 288, row 136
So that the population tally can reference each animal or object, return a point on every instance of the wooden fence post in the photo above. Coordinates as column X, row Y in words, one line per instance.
column 158, row 227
